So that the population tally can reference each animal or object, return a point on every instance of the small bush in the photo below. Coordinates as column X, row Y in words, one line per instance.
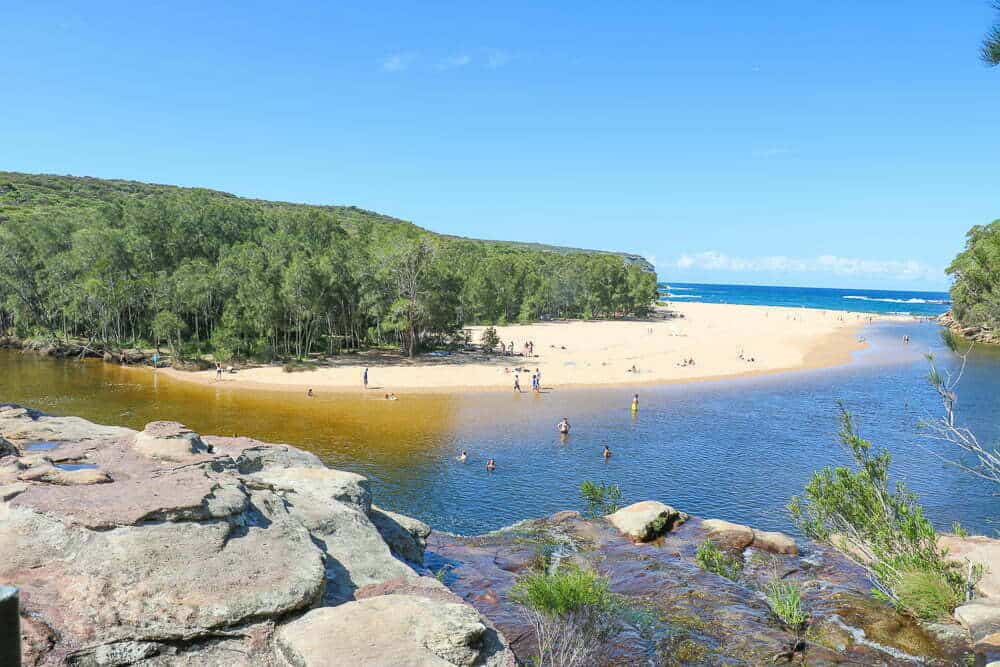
column 570, row 612
column 563, row 592
column 958, row 530
column 490, row 340
column 713, row 559
column 785, row 600
column 601, row 499
column 927, row 594
column 298, row 366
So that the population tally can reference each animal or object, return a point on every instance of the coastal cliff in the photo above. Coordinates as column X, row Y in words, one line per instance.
column 165, row 547
column 977, row 334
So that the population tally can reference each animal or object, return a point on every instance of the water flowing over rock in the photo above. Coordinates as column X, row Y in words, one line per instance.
column 672, row 612
column 198, row 551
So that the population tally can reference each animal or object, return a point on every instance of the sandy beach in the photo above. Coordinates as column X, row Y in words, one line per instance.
column 723, row 341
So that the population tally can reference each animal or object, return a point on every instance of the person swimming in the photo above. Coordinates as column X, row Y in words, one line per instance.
column 563, row 426
column 635, row 403
column 463, row 457
column 607, row 453
column 491, row 465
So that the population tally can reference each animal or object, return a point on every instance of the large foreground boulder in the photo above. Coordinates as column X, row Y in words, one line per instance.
column 390, row 631
column 197, row 551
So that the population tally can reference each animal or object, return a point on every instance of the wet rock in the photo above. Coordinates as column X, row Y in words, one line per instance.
column 390, row 631
column 646, row 520
column 406, row 537
column 728, row 535
column 170, row 441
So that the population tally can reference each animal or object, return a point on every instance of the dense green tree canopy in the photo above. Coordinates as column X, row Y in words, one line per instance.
column 121, row 262
column 975, row 294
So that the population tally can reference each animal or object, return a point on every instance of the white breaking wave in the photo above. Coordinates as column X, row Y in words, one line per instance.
column 890, row 300
column 682, row 296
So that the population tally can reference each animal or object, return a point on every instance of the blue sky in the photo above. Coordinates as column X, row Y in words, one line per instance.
column 810, row 143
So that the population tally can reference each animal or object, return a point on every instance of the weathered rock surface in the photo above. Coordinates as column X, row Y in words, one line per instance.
column 646, row 520
column 977, row 550
column 389, row 631
column 729, row 535
column 406, row 537
column 198, row 551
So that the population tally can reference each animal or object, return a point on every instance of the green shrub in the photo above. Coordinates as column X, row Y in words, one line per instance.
column 785, row 600
column 601, row 499
column 882, row 530
column 564, row 592
column 713, row 559
column 490, row 340
column 958, row 530
column 929, row 595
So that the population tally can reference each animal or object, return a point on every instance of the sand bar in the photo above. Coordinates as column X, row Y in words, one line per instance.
column 593, row 353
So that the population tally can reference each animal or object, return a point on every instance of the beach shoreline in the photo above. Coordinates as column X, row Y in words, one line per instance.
column 588, row 354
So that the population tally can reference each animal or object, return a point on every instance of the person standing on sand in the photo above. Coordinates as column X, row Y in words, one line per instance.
column 538, row 374
column 310, row 392
column 364, row 378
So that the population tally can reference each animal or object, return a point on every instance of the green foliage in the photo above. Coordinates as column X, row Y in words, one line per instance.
column 975, row 293
column 601, row 498
column 490, row 340
column 990, row 50
column 102, row 259
column 785, row 600
column 883, row 530
column 958, row 530
column 929, row 595
column 569, row 590
column 713, row 559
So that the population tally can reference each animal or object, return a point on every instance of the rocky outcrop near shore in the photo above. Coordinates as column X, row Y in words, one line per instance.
column 165, row 547
column 671, row 611
column 977, row 334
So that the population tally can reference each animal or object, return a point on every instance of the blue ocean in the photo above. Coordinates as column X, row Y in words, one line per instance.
column 927, row 304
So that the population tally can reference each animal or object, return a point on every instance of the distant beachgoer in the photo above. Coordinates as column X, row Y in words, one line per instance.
column 310, row 392
column 531, row 347
column 364, row 378
column 538, row 374
column 517, row 384
column 510, row 348
column 391, row 397
column 463, row 457
column 491, row 465
column 563, row 426
column 607, row 453
column 635, row 403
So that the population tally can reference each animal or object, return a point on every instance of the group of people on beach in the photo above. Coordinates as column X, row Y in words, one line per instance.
column 536, row 381
column 527, row 350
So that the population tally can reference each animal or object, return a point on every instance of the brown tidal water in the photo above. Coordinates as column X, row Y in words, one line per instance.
column 734, row 449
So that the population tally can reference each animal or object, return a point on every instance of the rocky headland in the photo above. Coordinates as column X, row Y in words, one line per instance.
column 977, row 334
column 166, row 547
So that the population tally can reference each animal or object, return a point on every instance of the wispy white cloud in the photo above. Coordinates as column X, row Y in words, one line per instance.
column 455, row 61
column 397, row 62
column 713, row 260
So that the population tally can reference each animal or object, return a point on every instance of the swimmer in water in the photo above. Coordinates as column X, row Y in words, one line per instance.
column 563, row 426
column 635, row 403
column 491, row 465
column 310, row 392
column 463, row 457
column 607, row 453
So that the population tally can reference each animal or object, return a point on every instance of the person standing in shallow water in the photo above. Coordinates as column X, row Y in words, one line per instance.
column 364, row 378
column 517, row 384
column 635, row 403
column 563, row 427
column 491, row 465
column 606, row 453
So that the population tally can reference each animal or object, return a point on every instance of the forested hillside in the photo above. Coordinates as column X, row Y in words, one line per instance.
column 975, row 294
column 121, row 263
